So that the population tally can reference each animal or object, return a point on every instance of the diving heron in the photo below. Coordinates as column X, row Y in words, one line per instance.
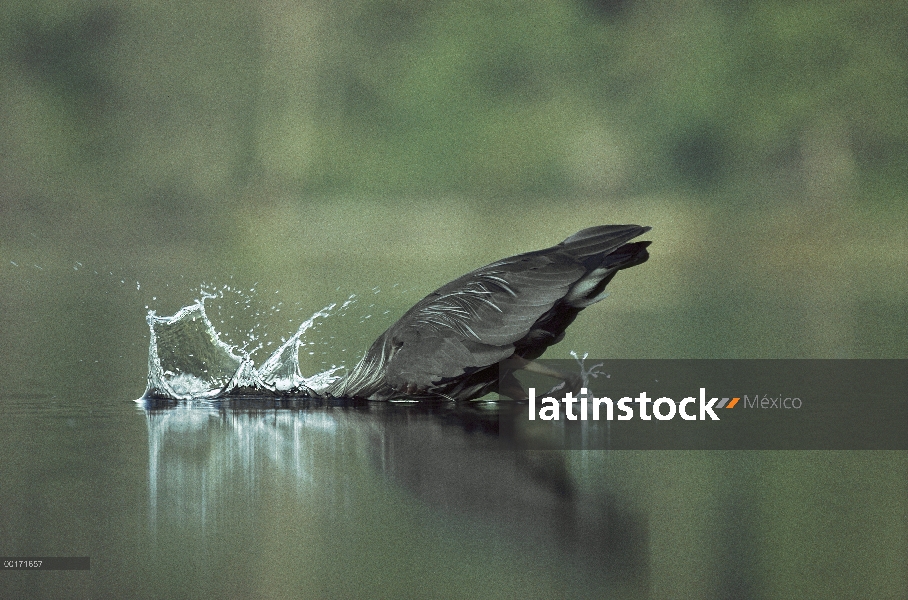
column 450, row 344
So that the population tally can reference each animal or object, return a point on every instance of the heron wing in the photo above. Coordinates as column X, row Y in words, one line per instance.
column 497, row 304
column 474, row 321
column 428, row 360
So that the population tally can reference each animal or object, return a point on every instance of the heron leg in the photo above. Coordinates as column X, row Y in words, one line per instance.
column 511, row 387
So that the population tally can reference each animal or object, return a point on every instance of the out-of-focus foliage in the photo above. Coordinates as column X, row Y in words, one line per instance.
column 168, row 102
column 309, row 145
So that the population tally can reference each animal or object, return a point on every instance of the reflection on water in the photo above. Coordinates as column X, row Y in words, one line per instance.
column 290, row 499
column 198, row 456
column 446, row 457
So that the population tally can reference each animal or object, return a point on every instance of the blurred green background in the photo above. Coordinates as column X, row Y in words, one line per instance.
column 311, row 150
column 308, row 146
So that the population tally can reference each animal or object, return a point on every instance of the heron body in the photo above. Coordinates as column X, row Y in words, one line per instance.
column 450, row 343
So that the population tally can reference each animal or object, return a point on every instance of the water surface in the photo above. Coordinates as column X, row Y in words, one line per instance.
column 312, row 500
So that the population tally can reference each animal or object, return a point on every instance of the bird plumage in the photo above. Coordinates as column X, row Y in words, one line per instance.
column 450, row 343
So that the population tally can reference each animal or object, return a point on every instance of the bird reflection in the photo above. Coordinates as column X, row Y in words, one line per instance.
column 451, row 457
column 454, row 458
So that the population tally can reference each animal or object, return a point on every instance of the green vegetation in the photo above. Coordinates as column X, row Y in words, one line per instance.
column 505, row 99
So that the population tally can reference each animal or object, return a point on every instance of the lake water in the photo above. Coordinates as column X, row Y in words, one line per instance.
column 293, row 500
column 309, row 502
column 297, row 500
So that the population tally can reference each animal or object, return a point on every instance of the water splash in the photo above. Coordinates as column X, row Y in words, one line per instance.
column 593, row 372
column 188, row 360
